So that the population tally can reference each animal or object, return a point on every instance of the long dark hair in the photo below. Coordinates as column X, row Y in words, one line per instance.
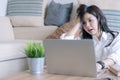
column 95, row 11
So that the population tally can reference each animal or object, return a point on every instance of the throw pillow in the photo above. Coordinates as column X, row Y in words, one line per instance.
column 58, row 14
column 24, row 7
column 26, row 12
column 64, row 28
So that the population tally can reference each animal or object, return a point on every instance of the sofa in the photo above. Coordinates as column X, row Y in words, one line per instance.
column 25, row 33
column 16, row 31
column 12, row 59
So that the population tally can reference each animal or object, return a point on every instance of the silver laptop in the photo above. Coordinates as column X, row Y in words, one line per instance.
column 70, row 57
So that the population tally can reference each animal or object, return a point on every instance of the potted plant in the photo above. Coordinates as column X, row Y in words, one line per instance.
column 35, row 54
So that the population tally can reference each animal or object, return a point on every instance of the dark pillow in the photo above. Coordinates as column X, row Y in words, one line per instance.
column 58, row 14
column 64, row 28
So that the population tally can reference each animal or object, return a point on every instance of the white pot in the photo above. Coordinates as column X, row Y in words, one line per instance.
column 36, row 65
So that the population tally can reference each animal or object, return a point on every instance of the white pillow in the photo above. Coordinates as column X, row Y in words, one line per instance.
column 3, row 7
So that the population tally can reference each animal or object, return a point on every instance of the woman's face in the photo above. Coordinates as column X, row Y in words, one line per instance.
column 90, row 24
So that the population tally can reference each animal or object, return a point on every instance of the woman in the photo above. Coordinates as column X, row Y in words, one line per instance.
column 94, row 26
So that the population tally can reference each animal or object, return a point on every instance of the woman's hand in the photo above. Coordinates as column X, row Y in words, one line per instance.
column 107, row 62
column 77, row 33
column 98, row 67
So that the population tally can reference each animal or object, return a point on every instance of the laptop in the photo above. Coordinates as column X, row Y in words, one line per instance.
column 70, row 57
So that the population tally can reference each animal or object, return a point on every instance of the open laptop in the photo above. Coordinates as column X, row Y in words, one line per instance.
column 71, row 57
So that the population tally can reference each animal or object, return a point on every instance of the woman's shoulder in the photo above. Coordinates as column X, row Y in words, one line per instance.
column 117, row 34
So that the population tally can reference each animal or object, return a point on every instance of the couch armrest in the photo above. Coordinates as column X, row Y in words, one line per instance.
column 6, row 29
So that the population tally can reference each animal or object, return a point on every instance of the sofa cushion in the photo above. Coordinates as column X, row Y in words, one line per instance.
column 6, row 29
column 12, row 50
column 58, row 14
column 33, row 33
column 26, row 21
column 23, row 12
column 113, row 18
column 64, row 28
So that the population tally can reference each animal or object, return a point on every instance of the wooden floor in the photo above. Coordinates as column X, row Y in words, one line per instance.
column 45, row 76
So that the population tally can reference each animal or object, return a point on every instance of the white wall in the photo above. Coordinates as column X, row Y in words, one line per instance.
column 103, row 4
column 3, row 7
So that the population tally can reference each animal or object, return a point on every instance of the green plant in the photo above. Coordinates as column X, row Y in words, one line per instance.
column 34, row 50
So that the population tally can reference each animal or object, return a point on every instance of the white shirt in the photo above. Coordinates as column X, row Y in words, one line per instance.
column 102, row 52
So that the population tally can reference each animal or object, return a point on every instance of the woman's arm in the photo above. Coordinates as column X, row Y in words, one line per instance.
column 74, row 31
column 114, row 57
column 107, row 62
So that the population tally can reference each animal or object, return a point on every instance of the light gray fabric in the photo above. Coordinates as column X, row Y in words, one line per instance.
column 113, row 18
column 33, row 33
column 58, row 14
column 6, row 29
column 24, row 7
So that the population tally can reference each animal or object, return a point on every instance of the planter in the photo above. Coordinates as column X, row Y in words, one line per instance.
column 36, row 65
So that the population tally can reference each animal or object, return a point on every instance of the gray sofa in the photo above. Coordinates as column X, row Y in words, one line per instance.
column 12, row 43
column 25, row 33
column 15, row 32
